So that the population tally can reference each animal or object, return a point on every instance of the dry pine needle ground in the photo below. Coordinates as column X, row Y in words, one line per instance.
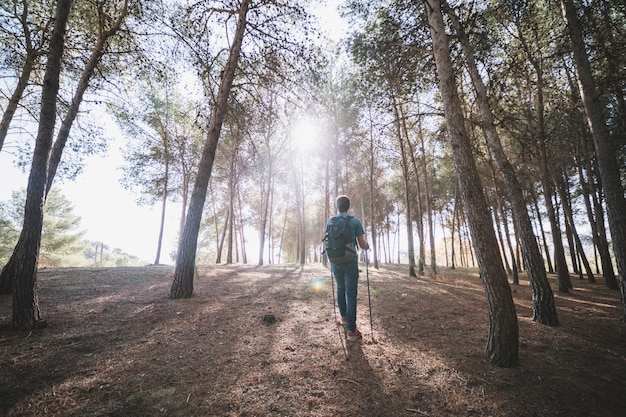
column 263, row 342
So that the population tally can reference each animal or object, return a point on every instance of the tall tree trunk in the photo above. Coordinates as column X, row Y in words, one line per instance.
column 157, row 258
column 266, row 187
column 182, row 285
column 32, row 54
column 89, row 70
column 457, row 203
column 56, row 150
column 327, row 213
column 599, row 240
column 22, row 83
column 407, row 193
column 569, row 218
column 541, row 230
column 231, row 205
column 443, row 234
column 298, row 186
column 222, row 239
column 514, row 257
column 560, row 263
column 563, row 196
column 418, row 192
column 605, row 147
column 241, row 232
column 21, row 270
column 503, row 339
column 372, row 189
column 429, row 204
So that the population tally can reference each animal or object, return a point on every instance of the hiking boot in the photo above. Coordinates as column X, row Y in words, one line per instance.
column 355, row 335
column 343, row 321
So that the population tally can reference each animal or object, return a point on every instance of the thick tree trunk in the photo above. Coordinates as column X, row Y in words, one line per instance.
column 182, row 285
column 503, row 340
column 21, row 269
column 544, row 310
column 605, row 148
column 56, row 151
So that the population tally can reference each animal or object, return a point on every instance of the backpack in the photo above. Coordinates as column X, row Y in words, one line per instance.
column 340, row 247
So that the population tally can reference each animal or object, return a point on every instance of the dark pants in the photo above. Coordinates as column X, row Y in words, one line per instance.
column 347, row 278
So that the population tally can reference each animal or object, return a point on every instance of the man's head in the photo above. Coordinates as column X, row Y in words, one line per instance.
column 343, row 204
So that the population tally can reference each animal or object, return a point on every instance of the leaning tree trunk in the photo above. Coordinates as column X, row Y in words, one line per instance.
column 21, row 270
column 503, row 340
column 544, row 309
column 605, row 147
column 182, row 285
column 56, row 150
column 599, row 239
column 569, row 219
column 560, row 263
column 97, row 52
column 22, row 83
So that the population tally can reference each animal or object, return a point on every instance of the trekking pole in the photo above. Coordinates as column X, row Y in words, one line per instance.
column 369, row 296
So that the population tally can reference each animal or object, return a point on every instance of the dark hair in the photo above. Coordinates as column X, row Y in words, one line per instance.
column 343, row 204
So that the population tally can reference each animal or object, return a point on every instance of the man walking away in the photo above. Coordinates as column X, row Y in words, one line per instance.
column 344, row 262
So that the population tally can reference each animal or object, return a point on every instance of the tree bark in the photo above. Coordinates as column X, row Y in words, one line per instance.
column 569, row 219
column 372, row 188
column 503, row 339
column 97, row 53
column 32, row 53
column 599, row 239
column 266, row 191
column 22, row 267
column 605, row 148
column 407, row 194
column 429, row 204
column 544, row 309
column 418, row 192
column 14, row 101
column 182, row 285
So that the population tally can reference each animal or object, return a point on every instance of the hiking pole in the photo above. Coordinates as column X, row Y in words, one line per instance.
column 369, row 296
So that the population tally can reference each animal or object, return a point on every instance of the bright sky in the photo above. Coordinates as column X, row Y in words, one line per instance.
column 109, row 214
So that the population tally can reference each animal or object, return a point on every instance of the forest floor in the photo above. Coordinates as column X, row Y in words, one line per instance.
column 116, row 345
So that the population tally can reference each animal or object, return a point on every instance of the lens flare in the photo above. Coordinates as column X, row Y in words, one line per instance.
column 317, row 284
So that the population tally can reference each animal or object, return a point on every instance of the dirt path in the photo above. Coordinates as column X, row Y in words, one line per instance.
column 117, row 346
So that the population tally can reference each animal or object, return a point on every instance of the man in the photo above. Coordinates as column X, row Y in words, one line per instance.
column 347, row 274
